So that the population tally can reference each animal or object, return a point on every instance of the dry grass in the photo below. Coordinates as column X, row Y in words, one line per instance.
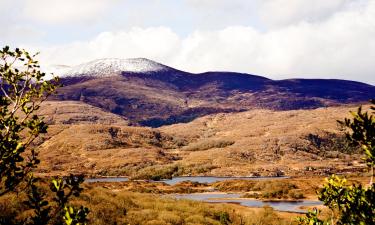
column 74, row 112
column 123, row 207
column 265, row 142
column 256, row 142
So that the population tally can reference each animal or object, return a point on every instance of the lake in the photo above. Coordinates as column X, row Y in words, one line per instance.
column 286, row 206
column 175, row 180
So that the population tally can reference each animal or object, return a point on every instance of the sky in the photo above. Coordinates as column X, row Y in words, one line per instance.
column 278, row 39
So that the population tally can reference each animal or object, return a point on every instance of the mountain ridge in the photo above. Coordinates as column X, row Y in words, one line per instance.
column 160, row 95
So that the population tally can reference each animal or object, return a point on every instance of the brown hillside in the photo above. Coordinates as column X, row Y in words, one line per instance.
column 169, row 97
column 256, row 142
column 265, row 142
column 75, row 112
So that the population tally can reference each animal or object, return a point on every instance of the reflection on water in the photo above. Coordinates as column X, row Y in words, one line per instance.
column 175, row 180
column 207, row 179
column 288, row 206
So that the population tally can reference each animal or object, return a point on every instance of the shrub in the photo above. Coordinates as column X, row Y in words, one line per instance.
column 296, row 194
column 206, row 144
column 352, row 204
column 156, row 173
column 23, row 89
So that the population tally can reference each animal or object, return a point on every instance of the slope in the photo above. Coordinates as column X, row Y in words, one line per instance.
column 152, row 94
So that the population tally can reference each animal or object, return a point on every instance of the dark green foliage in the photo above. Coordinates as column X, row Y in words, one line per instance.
column 223, row 217
column 362, row 133
column 36, row 200
column 23, row 89
column 327, row 142
column 75, row 216
column 312, row 218
column 353, row 204
column 65, row 188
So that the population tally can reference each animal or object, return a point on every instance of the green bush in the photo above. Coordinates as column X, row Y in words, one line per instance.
column 23, row 89
column 351, row 204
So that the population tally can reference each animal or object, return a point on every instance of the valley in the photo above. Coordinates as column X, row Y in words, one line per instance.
column 219, row 146
column 144, row 120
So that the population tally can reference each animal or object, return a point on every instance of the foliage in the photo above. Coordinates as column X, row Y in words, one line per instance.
column 323, row 144
column 122, row 207
column 156, row 173
column 312, row 218
column 362, row 133
column 46, row 207
column 207, row 144
column 354, row 204
column 263, row 189
column 23, row 89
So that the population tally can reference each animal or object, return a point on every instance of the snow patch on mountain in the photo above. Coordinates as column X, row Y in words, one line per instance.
column 112, row 66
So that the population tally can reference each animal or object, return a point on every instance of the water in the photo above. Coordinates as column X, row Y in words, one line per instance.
column 106, row 179
column 175, row 180
column 287, row 206
column 209, row 179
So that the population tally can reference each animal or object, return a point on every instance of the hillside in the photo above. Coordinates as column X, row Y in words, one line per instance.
column 255, row 142
column 151, row 94
column 264, row 142
column 233, row 124
column 73, row 112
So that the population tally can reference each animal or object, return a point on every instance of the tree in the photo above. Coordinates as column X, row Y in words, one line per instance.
column 353, row 204
column 23, row 89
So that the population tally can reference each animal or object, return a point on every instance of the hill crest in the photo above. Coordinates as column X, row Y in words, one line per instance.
column 110, row 66
column 152, row 94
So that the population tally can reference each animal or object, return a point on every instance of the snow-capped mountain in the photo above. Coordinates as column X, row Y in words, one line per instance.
column 153, row 94
column 110, row 66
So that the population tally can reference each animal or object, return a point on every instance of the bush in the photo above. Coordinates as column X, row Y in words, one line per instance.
column 23, row 89
column 351, row 204
column 327, row 144
column 296, row 194
column 156, row 173
column 206, row 144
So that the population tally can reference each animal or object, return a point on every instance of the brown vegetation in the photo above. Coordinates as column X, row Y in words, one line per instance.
column 123, row 207
column 256, row 143
column 270, row 143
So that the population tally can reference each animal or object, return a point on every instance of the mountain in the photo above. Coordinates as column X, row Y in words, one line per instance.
column 109, row 66
column 151, row 94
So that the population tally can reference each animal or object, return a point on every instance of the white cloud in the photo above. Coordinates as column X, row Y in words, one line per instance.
column 277, row 13
column 67, row 11
column 157, row 43
column 219, row 5
column 272, row 13
column 341, row 46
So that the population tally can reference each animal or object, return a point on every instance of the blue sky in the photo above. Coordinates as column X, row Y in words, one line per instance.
column 275, row 38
